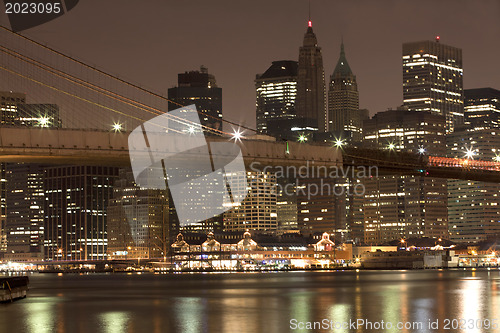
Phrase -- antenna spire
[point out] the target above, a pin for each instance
(309, 23)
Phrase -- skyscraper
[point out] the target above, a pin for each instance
(8, 111)
(405, 206)
(482, 108)
(76, 211)
(433, 80)
(138, 224)
(310, 104)
(473, 205)
(276, 91)
(38, 115)
(318, 205)
(199, 88)
(14, 111)
(8, 106)
(25, 211)
(344, 115)
(22, 206)
(258, 210)
(402, 130)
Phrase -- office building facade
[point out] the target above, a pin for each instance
(199, 88)
(276, 93)
(138, 221)
(75, 208)
(473, 206)
(403, 130)
(258, 212)
(433, 80)
(25, 202)
(397, 207)
(21, 233)
(482, 108)
(8, 111)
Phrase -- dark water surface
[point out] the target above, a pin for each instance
(256, 302)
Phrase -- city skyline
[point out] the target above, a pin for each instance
(264, 166)
(423, 79)
(373, 35)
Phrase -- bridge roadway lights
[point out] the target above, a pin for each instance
(110, 148)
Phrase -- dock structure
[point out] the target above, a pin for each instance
(12, 288)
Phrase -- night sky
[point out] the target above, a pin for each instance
(149, 42)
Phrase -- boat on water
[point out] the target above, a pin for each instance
(12, 288)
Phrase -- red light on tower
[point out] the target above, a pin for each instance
(437, 39)
(310, 24)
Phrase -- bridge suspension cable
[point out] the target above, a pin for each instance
(102, 90)
(95, 88)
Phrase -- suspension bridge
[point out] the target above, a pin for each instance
(98, 110)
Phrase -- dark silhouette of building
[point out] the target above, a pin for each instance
(199, 88)
(311, 98)
(344, 117)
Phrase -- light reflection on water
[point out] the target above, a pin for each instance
(249, 302)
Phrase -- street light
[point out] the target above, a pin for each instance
(339, 143)
(302, 138)
(421, 150)
(237, 135)
(391, 146)
(469, 153)
(44, 121)
(117, 127)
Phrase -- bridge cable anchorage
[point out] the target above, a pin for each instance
(128, 83)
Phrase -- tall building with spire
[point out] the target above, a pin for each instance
(344, 115)
(310, 103)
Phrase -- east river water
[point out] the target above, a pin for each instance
(375, 301)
